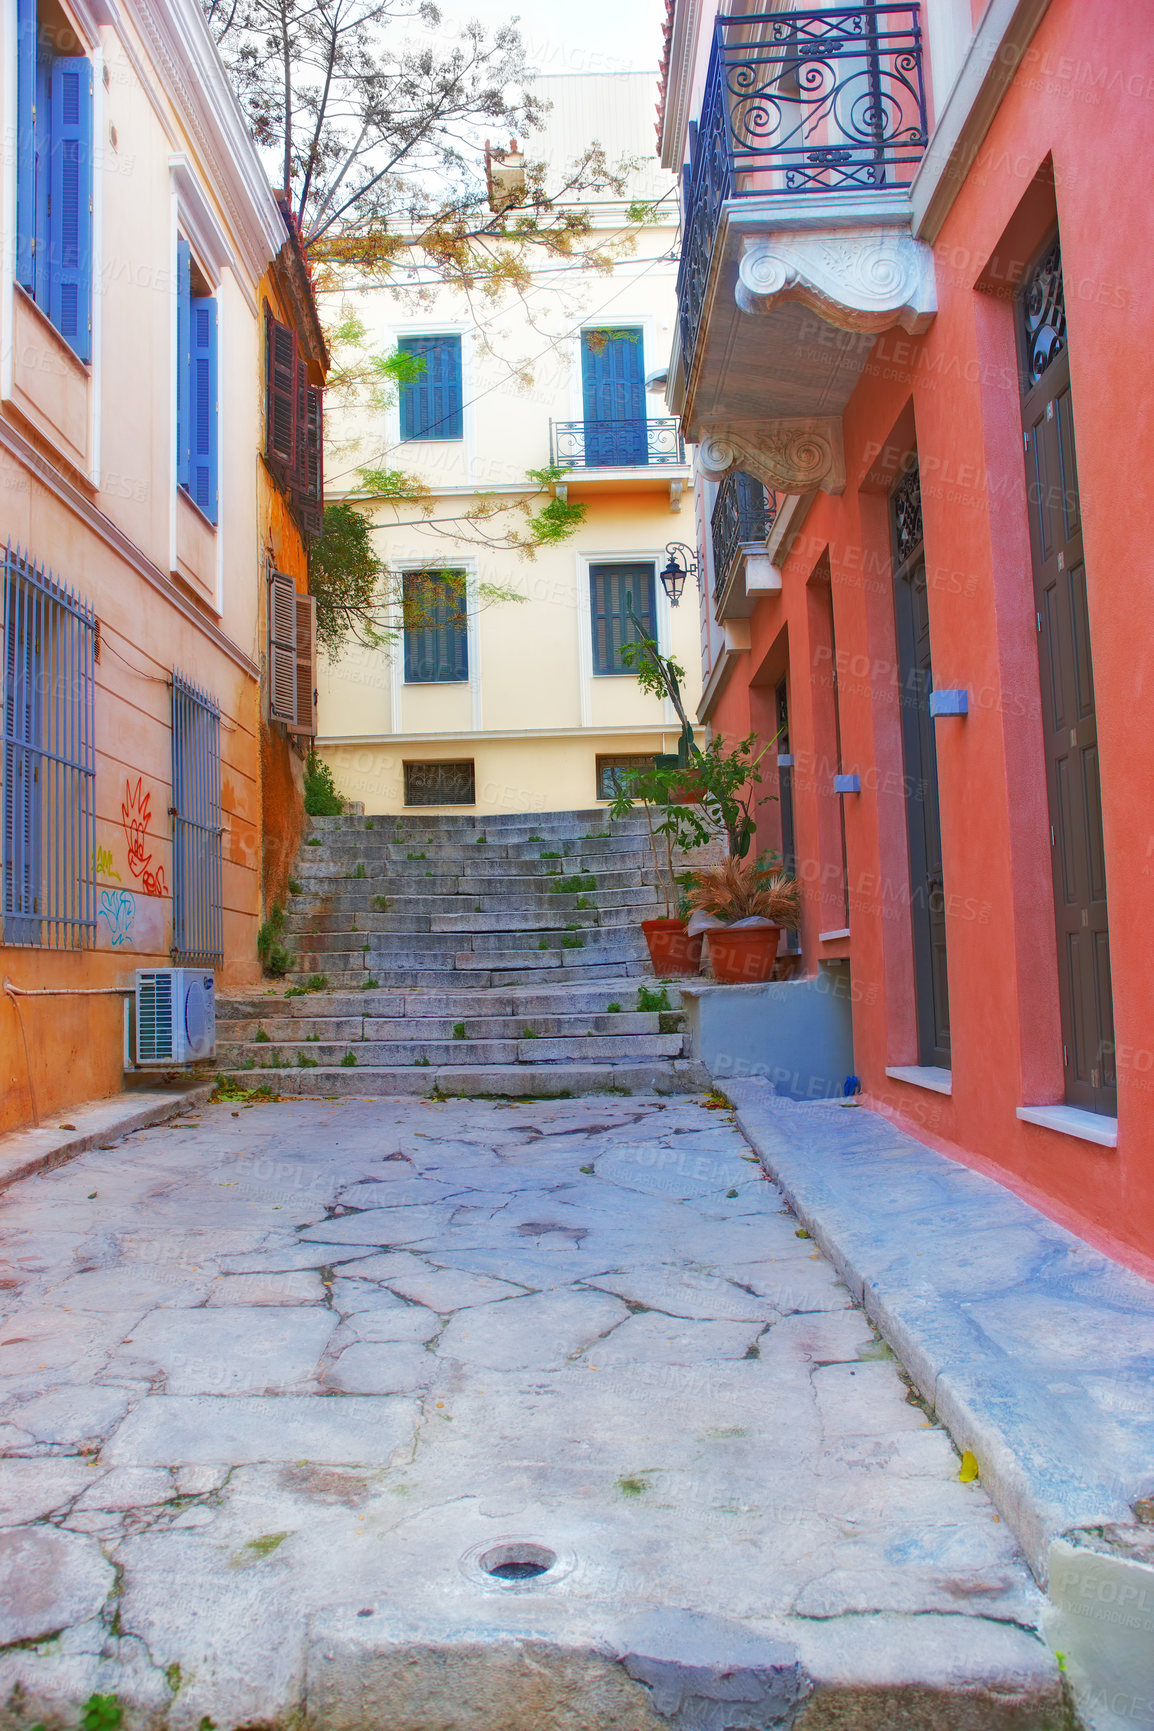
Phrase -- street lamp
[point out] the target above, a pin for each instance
(682, 563)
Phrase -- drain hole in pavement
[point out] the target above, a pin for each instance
(518, 1562)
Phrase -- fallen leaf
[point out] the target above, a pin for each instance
(969, 1470)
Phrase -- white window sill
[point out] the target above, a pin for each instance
(930, 1076)
(831, 937)
(1073, 1121)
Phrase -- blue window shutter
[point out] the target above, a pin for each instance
(612, 588)
(202, 405)
(183, 362)
(437, 642)
(42, 237)
(432, 405)
(26, 144)
(613, 396)
(70, 221)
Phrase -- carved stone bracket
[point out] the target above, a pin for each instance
(856, 279)
(793, 456)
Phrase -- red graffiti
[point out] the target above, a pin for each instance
(134, 815)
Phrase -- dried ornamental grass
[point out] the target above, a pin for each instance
(743, 889)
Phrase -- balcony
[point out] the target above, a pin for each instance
(743, 515)
(616, 455)
(797, 249)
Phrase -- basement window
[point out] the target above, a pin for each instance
(440, 783)
(611, 773)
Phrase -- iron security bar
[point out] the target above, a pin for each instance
(616, 444)
(821, 102)
(49, 761)
(197, 915)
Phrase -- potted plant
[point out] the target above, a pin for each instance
(743, 905)
(671, 949)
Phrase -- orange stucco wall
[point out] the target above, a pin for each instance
(1082, 102)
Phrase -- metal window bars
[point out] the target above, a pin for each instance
(655, 442)
(49, 762)
(197, 914)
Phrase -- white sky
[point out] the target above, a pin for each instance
(590, 36)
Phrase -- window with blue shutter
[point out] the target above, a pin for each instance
(196, 385)
(613, 397)
(54, 180)
(431, 404)
(613, 589)
(436, 629)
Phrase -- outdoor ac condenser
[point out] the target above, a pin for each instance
(175, 1015)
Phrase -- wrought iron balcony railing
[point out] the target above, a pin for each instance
(822, 102)
(616, 444)
(743, 515)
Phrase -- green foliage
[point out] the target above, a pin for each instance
(228, 1091)
(568, 943)
(417, 856)
(275, 958)
(294, 887)
(103, 1713)
(650, 1000)
(573, 885)
(314, 1037)
(613, 1009)
(555, 522)
(382, 904)
(345, 573)
(421, 1063)
(551, 853)
(349, 1061)
(369, 985)
(528, 1034)
(317, 983)
(261, 1037)
(313, 841)
(459, 1031)
(321, 796)
(481, 840)
(304, 1063)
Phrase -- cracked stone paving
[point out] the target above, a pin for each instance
(275, 1381)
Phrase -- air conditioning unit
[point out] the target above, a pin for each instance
(175, 1015)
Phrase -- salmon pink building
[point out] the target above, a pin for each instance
(910, 327)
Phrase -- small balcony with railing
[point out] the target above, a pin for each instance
(742, 517)
(796, 248)
(620, 454)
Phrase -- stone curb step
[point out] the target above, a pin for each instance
(664, 1076)
(385, 1054)
(584, 998)
(301, 1030)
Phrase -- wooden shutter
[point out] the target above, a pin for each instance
(312, 505)
(306, 666)
(282, 648)
(183, 363)
(26, 144)
(432, 405)
(203, 405)
(612, 589)
(281, 399)
(70, 216)
(300, 466)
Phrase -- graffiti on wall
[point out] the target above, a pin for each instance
(135, 812)
(102, 866)
(118, 911)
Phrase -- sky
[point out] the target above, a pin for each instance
(592, 36)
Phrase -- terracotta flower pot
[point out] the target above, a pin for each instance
(743, 955)
(671, 949)
(691, 794)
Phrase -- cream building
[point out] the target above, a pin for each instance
(526, 706)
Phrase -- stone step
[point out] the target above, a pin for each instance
(360, 899)
(386, 1054)
(579, 999)
(547, 1081)
(556, 964)
(444, 823)
(507, 877)
(333, 930)
(338, 1030)
(410, 849)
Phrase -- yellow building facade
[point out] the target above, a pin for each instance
(525, 706)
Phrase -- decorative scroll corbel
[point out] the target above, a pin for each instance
(785, 456)
(854, 279)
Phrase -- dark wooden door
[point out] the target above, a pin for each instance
(1068, 713)
(923, 813)
(785, 795)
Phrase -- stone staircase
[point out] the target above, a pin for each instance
(458, 955)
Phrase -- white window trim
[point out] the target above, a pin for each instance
(467, 443)
(85, 27)
(192, 217)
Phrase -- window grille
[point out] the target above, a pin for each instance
(440, 783)
(613, 773)
(49, 760)
(197, 920)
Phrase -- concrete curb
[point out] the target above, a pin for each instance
(1019, 1335)
(24, 1152)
